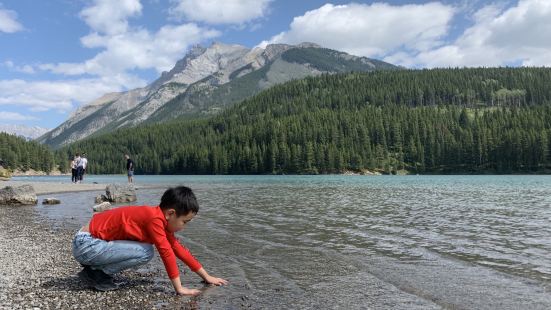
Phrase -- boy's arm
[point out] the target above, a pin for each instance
(180, 290)
(185, 255)
(210, 279)
(156, 231)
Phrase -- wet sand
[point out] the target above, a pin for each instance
(46, 188)
(43, 188)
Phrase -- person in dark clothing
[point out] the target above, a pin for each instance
(129, 168)
(74, 169)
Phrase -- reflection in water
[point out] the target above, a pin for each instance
(350, 242)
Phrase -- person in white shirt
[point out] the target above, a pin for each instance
(81, 167)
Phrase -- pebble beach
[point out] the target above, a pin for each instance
(37, 270)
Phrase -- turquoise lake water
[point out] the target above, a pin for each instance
(474, 242)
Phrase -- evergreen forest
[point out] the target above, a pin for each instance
(18, 153)
(478, 120)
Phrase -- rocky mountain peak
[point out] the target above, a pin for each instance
(204, 81)
(309, 45)
(274, 50)
(195, 51)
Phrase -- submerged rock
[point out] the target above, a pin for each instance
(51, 201)
(18, 195)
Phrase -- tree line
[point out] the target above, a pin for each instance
(18, 153)
(482, 120)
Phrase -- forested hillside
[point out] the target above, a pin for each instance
(18, 153)
(487, 120)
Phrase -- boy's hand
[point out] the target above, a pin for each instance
(215, 281)
(188, 292)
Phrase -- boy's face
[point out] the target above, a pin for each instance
(176, 223)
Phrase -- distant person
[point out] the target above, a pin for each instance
(73, 165)
(77, 163)
(123, 238)
(129, 168)
(81, 167)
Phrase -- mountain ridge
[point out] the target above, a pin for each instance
(203, 82)
(27, 132)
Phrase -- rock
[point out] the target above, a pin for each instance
(18, 195)
(51, 201)
(120, 193)
(101, 198)
(104, 206)
(5, 174)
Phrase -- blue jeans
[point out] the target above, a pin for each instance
(110, 256)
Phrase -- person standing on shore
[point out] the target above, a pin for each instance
(81, 166)
(129, 168)
(74, 169)
(77, 164)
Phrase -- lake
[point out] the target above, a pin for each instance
(355, 242)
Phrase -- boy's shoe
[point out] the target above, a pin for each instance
(97, 279)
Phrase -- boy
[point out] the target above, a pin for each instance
(122, 238)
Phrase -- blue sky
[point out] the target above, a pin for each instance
(56, 55)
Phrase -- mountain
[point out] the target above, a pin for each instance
(204, 82)
(26, 132)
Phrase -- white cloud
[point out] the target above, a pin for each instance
(13, 67)
(128, 48)
(8, 21)
(418, 35)
(109, 16)
(137, 49)
(13, 116)
(372, 30)
(59, 95)
(123, 48)
(220, 11)
(520, 34)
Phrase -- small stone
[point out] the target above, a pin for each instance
(51, 201)
(102, 207)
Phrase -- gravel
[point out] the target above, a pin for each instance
(37, 271)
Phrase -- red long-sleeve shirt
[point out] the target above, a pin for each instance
(144, 224)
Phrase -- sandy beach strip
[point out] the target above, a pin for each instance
(45, 188)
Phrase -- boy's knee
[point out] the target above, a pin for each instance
(148, 253)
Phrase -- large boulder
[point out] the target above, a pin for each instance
(117, 193)
(18, 195)
(5, 174)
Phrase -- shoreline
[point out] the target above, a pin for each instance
(47, 188)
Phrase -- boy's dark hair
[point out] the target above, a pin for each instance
(181, 199)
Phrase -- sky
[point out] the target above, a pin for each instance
(56, 55)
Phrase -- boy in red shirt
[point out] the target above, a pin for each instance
(123, 238)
